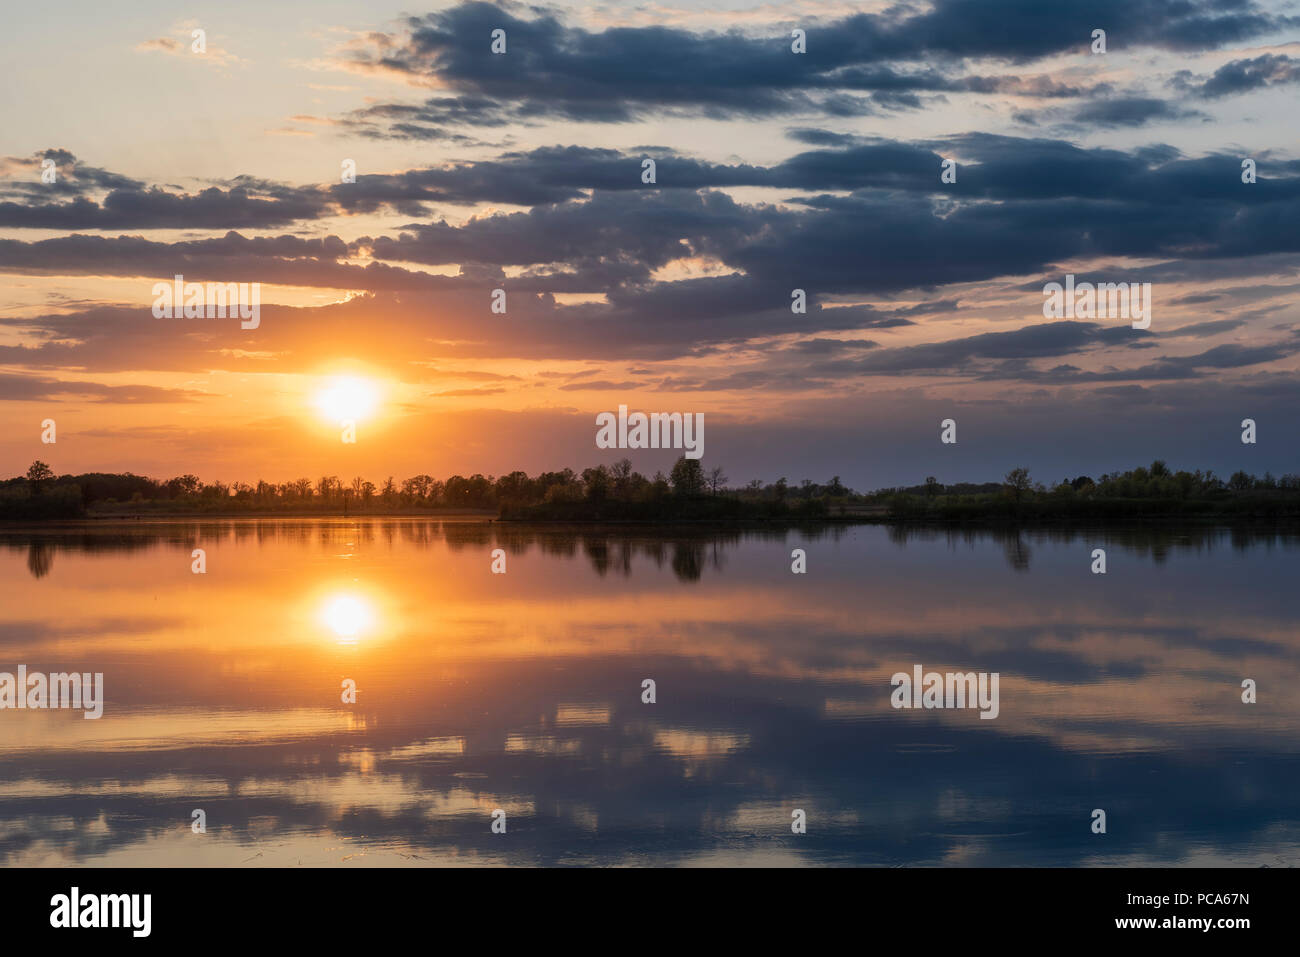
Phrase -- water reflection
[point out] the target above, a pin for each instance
(348, 616)
(688, 551)
(39, 559)
(523, 692)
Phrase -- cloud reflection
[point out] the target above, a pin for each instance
(773, 694)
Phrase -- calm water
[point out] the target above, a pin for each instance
(522, 692)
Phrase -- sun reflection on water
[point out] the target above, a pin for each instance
(349, 616)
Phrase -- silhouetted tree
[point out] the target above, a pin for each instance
(38, 475)
(1017, 483)
(621, 474)
(597, 483)
(688, 477)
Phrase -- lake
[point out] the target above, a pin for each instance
(478, 693)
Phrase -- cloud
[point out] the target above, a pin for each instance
(168, 45)
(137, 207)
(1132, 111)
(600, 385)
(862, 64)
(954, 355)
(21, 177)
(1243, 76)
(991, 167)
(28, 388)
(212, 55)
(1201, 330)
(863, 222)
(450, 393)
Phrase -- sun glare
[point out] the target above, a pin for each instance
(347, 399)
(347, 616)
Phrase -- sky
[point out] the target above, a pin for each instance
(774, 171)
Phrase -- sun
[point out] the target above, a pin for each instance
(347, 399)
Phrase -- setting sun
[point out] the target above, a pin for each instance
(347, 399)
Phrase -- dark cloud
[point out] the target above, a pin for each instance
(866, 221)
(991, 167)
(27, 388)
(897, 230)
(1242, 76)
(816, 137)
(858, 65)
(157, 208)
(1202, 330)
(962, 355)
(1199, 366)
(1011, 355)
(1132, 111)
(72, 178)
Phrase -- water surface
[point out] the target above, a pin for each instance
(523, 692)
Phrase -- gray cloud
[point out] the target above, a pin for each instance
(1242, 76)
(858, 65)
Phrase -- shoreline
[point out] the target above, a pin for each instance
(491, 517)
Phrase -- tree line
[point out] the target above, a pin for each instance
(40, 492)
(1146, 491)
(689, 490)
